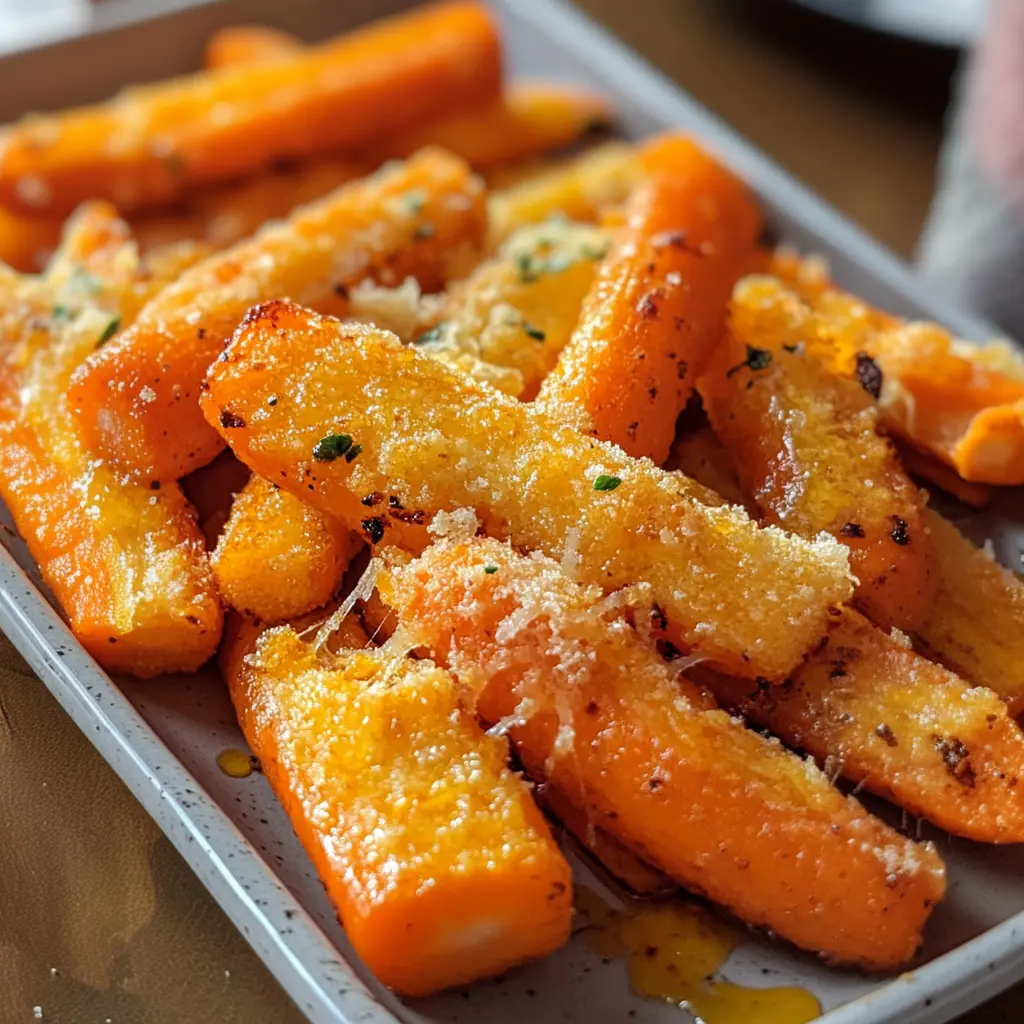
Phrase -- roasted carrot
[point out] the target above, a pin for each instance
(579, 188)
(699, 455)
(881, 715)
(277, 557)
(529, 118)
(126, 562)
(976, 623)
(806, 447)
(507, 322)
(26, 243)
(438, 862)
(380, 434)
(598, 715)
(135, 399)
(239, 45)
(657, 304)
(151, 143)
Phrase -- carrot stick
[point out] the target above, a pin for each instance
(26, 243)
(238, 45)
(927, 469)
(976, 623)
(126, 562)
(806, 448)
(135, 399)
(906, 728)
(579, 188)
(342, 95)
(529, 118)
(657, 305)
(378, 433)
(507, 322)
(598, 715)
(433, 853)
(277, 557)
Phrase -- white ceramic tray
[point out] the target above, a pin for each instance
(162, 737)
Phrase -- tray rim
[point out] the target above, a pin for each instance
(207, 838)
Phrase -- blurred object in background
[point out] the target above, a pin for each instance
(26, 23)
(953, 23)
(973, 245)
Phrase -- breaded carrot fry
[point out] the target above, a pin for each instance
(26, 243)
(927, 469)
(378, 433)
(657, 304)
(529, 118)
(805, 446)
(277, 557)
(507, 322)
(906, 728)
(135, 399)
(579, 188)
(151, 143)
(238, 45)
(225, 214)
(598, 715)
(126, 562)
(976, 623)
(438, 862)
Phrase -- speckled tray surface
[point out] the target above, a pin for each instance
(162, 737)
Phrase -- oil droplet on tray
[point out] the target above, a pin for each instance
(674, 951)
(237, 763)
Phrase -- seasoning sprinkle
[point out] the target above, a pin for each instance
(331, 447)
(109, 331)
(606, 483)
(490, 569)
(533, 332)
(757, 359)
(424, 231)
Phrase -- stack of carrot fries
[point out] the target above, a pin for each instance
(621, 482)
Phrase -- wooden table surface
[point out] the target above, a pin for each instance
(100, 919)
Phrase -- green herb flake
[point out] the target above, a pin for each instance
(490, 569)
(594, 252)
(109, 331)
(332, 447)
(424, 231)
(174, 164)
(606, 483)
(525, 268)
(757, 359)
(414, 200)
(61, 312)
(533, 332)
(353, 453)
(85, 280)
(430, 336)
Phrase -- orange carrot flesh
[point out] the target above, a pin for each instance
(906, 728)
(529, 118)
(976, 624)
(440, 865)
(752, 599)
(927, 469)
(278, 557)
(657, 305)
(26, 243)
(339, 96)
(126, 562)
(805, 445)
(135, 399)
(238, 45)
(600, 716)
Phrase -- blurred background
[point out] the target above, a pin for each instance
(853, 97)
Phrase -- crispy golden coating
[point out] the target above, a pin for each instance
(278, 558)
(805, 445)
(135, 400)
(385, 436)
(440, 865)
